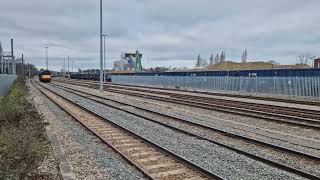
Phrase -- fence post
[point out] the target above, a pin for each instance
(256, 84)
(318, 87)
(311, 87)
(274, 84)
(227, 88)
(296, 88)
(317, 82)
(239, 84)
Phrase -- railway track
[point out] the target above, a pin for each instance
(295, 116)
(276, 99)
(153, 161)
(278, 164)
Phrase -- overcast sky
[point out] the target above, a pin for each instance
(167, 32)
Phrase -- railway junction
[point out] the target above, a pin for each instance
(148, 132)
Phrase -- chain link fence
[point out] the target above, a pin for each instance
(6, 81)
(308, 87)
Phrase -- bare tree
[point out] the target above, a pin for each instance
(198, 61)
(301, 59)
(304, 58)
(244, 56)
(204, 62)
(201, 62)
(216, 59)
(211, 59)
(222, 57)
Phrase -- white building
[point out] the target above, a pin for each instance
(127, 61)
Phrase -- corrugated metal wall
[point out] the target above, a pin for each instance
(6, 81)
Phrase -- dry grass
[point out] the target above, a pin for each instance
(23, 143)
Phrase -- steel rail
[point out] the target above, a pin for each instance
(250, 105)
(190, 164)
(126, 104)
(253, 156)
(249, 111)
(239, 111)
(96, 134)
(276, 99)
(207, 99)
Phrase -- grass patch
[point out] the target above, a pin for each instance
(12, 105)
(23, 143)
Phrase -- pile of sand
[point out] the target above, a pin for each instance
(229, 65)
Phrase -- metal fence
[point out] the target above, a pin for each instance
(6, 81)
(285, 86)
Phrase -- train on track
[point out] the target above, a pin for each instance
(244, 73)
(45, 76)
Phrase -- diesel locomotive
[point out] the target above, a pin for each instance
(45, 76)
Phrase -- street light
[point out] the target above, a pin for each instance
(101, 60)
(12, 59)
(72, 65)
(104, 56)
(47, 56)
(68, 68)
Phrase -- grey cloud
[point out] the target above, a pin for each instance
(168, 32)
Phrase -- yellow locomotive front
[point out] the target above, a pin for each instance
(45, 76)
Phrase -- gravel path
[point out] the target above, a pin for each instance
(90, 158)
(48, 168)
(208, 155)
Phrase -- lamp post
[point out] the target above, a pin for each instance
(101, 59)
(1, 58)
(47, 65)
(104, 56)
(68, 68)
(22, 66)
(12, 59)
(72, 65)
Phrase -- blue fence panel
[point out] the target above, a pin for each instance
(308, 87)
(6, 81)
